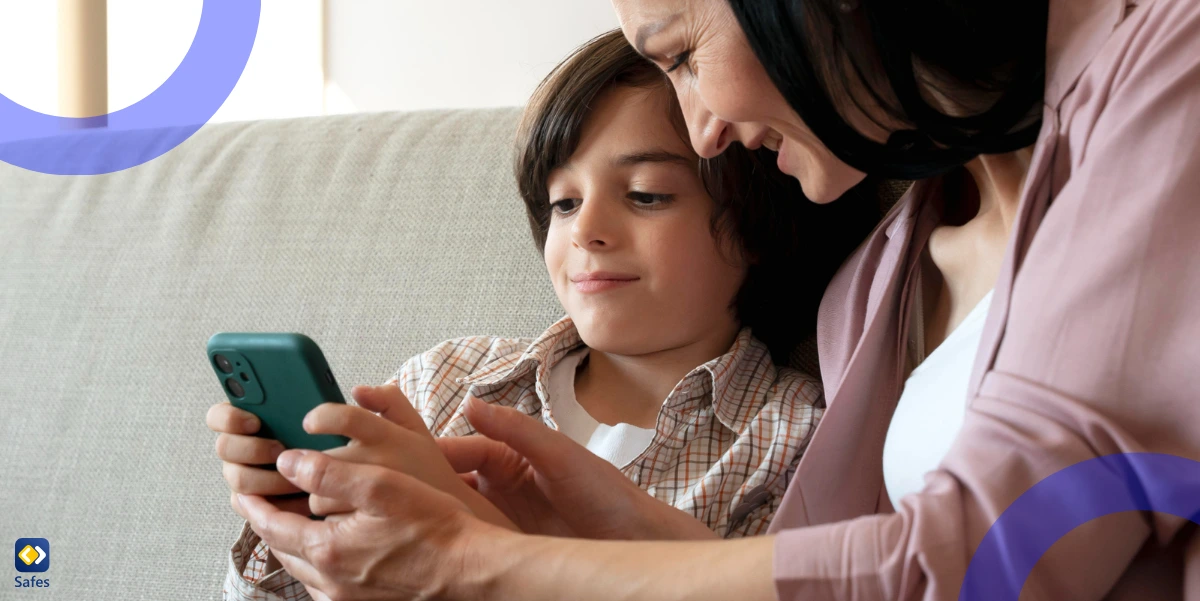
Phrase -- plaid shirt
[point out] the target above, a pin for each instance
(727, 438)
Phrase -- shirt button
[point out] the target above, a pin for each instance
(651, 490)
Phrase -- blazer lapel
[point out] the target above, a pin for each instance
(861, 347)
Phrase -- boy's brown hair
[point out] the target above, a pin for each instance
(793, 246)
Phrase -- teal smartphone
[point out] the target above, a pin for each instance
(278, 377)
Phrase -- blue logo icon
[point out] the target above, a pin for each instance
(176, 110)
(32, 555)
(1068, 499)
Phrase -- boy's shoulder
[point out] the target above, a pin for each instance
(489, 346)
(761, 400)
(781, 385)
(791, 385)
(465, 355)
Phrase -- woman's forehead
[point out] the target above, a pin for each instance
(642, 19)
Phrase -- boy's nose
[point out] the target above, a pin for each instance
(592, 228)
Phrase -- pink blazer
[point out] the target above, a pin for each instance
(1092, 345)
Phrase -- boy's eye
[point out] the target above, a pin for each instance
(564, 206)
(649, 199)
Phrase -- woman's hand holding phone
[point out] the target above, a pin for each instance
(244, 455)
(386, 430)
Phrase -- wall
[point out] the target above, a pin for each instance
(29, 53)
(378, 54)
(147, 39)
(419, 54)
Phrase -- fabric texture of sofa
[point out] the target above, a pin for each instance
(378, 235)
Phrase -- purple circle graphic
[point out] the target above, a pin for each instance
(1068, 499)
(154, 125)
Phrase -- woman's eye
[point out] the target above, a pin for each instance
(649, 199)
(680, 60)
(564, 206)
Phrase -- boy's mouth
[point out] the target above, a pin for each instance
(600, 281)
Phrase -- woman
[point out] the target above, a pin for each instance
(1080, 158)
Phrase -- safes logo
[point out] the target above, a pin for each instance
(31, 555)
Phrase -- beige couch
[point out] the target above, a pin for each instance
(378, 235)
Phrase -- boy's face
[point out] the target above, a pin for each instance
(630, 248)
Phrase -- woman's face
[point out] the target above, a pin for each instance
(630, 249)
(726, 94)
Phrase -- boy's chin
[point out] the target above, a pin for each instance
(617, 339)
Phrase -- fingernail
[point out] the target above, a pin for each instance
(277, 449)
(480, 405)
(286, 464)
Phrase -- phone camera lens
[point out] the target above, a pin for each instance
(235, 388)
(223, 364)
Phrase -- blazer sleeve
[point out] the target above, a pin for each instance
(1100, 354)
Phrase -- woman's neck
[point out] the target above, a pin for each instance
(999, 179)
(966, 258)
(630, 389)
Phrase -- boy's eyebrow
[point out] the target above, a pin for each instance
(652, 156)
(648, 30)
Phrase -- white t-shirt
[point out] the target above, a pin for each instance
(931, 408)
(619, 444)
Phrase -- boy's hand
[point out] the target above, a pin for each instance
(548, 484)
(242, 454)
(394, 437)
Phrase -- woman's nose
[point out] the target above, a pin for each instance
(710, 135)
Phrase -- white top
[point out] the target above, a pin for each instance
(619, 444)
(930, 411)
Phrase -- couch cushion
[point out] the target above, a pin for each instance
(378, 235)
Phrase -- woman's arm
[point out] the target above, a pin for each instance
(405, 540)
(551, 569)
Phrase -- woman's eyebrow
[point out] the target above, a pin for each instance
(650, 29)
(652, 156)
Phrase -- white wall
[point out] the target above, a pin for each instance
(419, 54)
(379, 54)
(29, 53)
(147, 39)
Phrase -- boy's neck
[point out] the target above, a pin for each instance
(631, 389)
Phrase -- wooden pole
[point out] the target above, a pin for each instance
(83, 60)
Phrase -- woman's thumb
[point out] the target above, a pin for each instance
(547, 450)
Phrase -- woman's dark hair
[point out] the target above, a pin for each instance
(987, 57)
(793, 246)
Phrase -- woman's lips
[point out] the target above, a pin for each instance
(601, 281)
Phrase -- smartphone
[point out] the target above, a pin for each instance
(278, 377)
